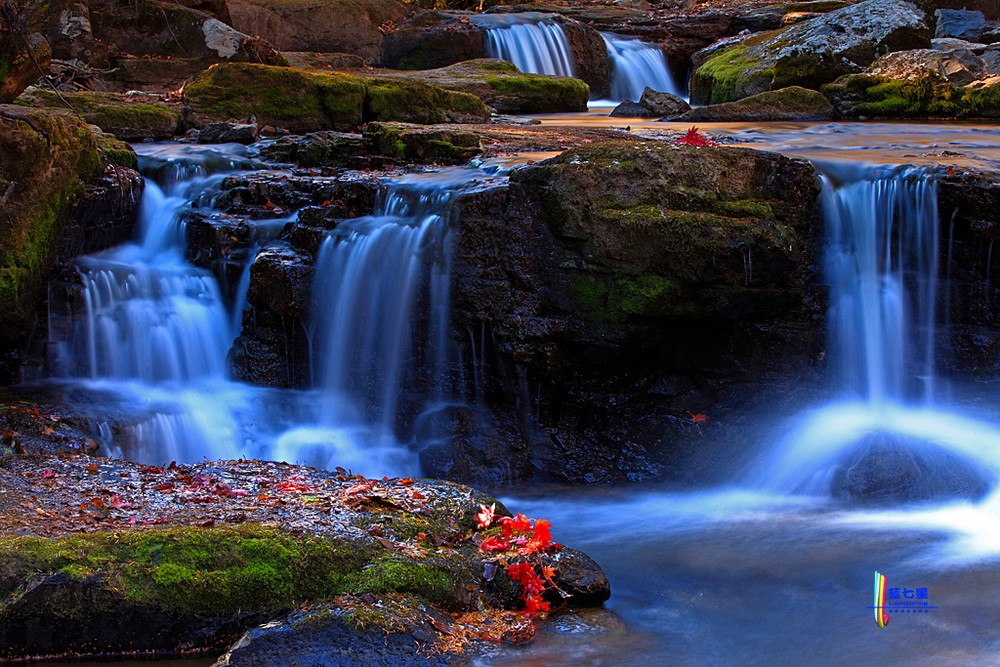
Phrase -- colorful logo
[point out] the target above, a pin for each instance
(880, 616)
(899, 600)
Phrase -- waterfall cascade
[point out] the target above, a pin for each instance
(882, 270)
(636, 65)
(537, 44)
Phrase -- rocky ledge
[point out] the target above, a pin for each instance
(102, 556)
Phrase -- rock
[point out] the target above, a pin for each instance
(332, 636)
(951, 44)
(590, 56)
(580, 576)
(134, 118)
(345, 26)
(303, 101)
(22, 61)
(180, 41)
(318, 149)
(505, 88)
(862, 95)
(960, 24)
(615, 265)
(433, 39)
(413, 143)
(222, 133)
(663, 104)
(630, 109)
(958, 67)
(808, 54)
(320, 61)
(792, 103)
(56, 204)
(887, 467)
(67, 28)
(273, 350)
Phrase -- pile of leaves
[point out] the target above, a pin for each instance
(525, 539)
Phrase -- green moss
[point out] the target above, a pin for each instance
(504, 66)
(117, 152)
(645, 295)
(416, 102)
(430, 144)
(295, 99)
(724, 70)
(52, 161)
(397, 574)
(129, 120)
(874, 96)
(544, 91)
(203, 570)
(808, 70)
(983, 101)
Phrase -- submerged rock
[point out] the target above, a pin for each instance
(890, 468)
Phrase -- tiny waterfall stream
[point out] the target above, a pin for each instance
(766, 569)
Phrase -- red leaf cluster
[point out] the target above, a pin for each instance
(530, 538)
(695, 138)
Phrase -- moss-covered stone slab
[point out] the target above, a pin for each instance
(422, 144)
(309, 101)
(810, 53)
(863, 95)
(128, 118)
(505, 88)
(792, 103)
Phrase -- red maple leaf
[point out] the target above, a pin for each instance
(695, 138)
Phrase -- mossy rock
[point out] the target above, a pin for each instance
(307, 101)
(792, 103)
(417, 102)
(126, 119)
(656, 225)
(49, 158)
(297, 100)
(116, 151)
(869, 96)
(505, 89)
(808, 54)
(982, 100)
(415, 143)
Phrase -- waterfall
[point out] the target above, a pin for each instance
(636, 65)
(533, 42)
(150, 314)
(371, 274)
(882, 268)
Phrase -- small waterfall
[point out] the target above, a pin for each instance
(150, 314)
(371, 273)
(533, 42)
(882, 267)
(634, 66)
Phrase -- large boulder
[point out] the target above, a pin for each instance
(959, 23)
(925, 93)
(615, 285)
(55, 203)
(347, 26)
(810, 53)
(792, 103)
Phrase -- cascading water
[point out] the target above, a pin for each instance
(882, 269)
(636, 65)
(533, 42)
(537, 44)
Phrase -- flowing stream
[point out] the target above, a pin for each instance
(773, 566)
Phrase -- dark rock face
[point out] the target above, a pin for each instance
(663, 104)
(616, 287)
(433, 39)
(273, 349)
(222, 133)
(590, 56)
